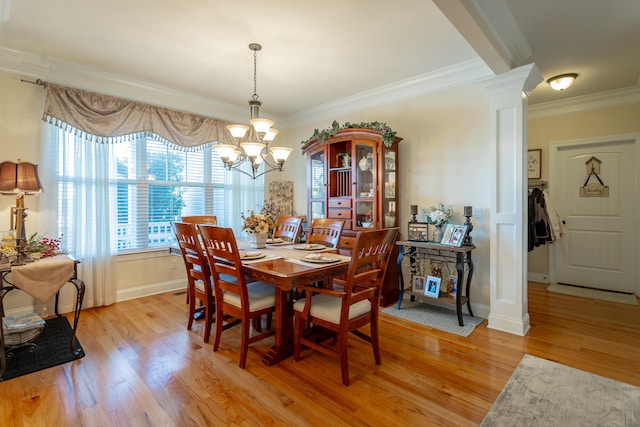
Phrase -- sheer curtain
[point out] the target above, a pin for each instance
(79, 202)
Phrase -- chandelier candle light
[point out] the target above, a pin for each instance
(256, 148)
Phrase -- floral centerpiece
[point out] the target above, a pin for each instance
(438, 216)
(258, 225)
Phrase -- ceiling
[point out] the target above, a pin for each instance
(331, 53)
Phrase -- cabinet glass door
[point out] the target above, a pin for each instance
(317, 184)
(390, 198)
(365, 172)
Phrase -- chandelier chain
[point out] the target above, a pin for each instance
(255, 75)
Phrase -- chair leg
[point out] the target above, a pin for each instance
(219, 323)
(207, 320)
(244, 345)
(192, 311)
(269, 321)
(344, 364)
(375, 345)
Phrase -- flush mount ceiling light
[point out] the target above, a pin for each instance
(562, 81)
(256, 148)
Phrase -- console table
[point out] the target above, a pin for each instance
(436, 252)
(36, 290)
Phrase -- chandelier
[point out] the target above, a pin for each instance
(256, 148)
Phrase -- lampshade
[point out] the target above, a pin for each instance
(563, 81)
(270, 135)
(252, 149)
(261, 125)
(21, 177)
(281, 153)
(238, 131)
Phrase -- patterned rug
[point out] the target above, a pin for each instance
(53, 347)
(544, 393)
(435, 317)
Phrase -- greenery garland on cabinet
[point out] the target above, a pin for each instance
(388, 134)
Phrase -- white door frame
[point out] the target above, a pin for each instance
(554, 148)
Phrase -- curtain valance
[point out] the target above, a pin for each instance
(111, 119)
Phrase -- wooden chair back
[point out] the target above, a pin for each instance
(199, 285)
(237, 301)
(325, 231)
(288, 227)
(201, 219)
(348, 309)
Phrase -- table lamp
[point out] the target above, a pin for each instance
(19, 179)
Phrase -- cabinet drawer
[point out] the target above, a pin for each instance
(340, 203)
(340, 213)
(346, 244)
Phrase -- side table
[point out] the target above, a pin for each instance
(6, 286)
(441, 253)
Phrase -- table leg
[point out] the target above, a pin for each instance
(400, 257)
(283, 347)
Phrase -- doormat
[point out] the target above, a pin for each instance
(434, 317)
(53, 348)
(544, 393)
(579, 291)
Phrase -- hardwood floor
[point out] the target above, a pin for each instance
(144, 368)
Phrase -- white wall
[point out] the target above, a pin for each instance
(443, 157)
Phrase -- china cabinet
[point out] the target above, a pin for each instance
(353, 176)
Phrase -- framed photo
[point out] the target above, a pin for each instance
(534, 168)
(432, 286)
(454, 235)
(418, 284)
(418, 231)
(452, 286)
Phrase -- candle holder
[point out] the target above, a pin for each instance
(468, 213)
(414, 213)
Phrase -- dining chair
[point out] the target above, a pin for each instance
(288, 227)
(237, 301)
(201, 219)
(199, 285)
(350, 308)
(325, 231)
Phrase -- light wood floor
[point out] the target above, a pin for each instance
(144, 368)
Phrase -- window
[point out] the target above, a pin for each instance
(154, 185)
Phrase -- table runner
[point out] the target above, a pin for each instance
(43, 278)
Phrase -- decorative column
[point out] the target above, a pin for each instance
(508, 226)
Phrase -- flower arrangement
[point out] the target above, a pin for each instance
(257, 223)
(37, 247)
(438, 216)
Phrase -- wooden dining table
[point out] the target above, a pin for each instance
(284, 268)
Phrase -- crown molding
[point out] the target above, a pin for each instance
(596, 101)
(444, 78)
(82, 77)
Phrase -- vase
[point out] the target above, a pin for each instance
(437, 233)
(258, 240)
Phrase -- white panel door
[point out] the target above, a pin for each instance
(599, 248)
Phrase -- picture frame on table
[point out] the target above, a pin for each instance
(418, 284)
(417, 231)
(454, 235)
(534, 167)
(432, 287)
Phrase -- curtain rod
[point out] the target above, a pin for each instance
(37, 82)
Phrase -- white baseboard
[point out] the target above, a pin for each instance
(153, 289)
(123, 295)
(538, 277)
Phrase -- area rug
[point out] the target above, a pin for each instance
(53, 348)
(435, 317)
(544, 393)
(579, 291)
